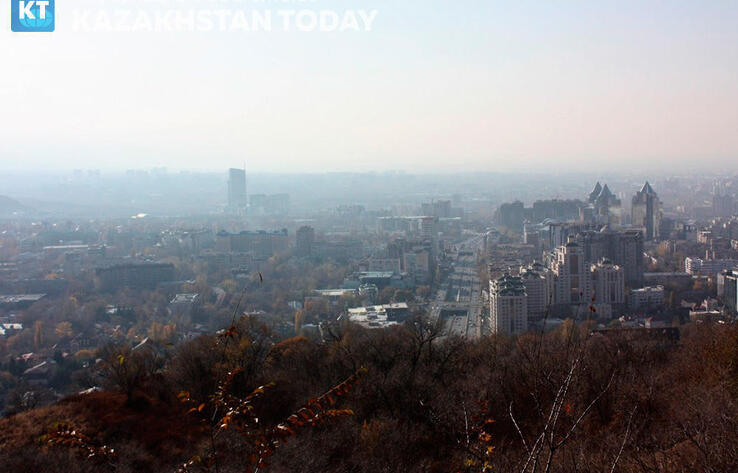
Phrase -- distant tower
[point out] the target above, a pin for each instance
(237, 201)
(646, 212)
(305, 240)
(595, 193)
(607, 207)
(723, 204)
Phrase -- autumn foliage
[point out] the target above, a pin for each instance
(405, 400)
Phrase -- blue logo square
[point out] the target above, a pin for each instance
(32, 15)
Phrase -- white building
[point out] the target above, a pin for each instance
(707, 267)
(379, 316)
(508, 305)
(647, 297)
(539, 286)
(608, 283)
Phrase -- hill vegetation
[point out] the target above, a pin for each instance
(571, 400)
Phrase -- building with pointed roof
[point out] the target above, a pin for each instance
(595, 193)
(646, 212)
(604, 207)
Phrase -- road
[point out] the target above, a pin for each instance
(458, 303)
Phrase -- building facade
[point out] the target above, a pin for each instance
(646, 212)
(508, 305)
(237, 201)
(608, 283)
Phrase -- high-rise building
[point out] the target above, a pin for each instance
(607, 207)
(723, 204)
(608, 283)
(572, 275)
(305, 238)
(595, 193)
(624, 248)
(237, 201)
(646, 212)
(538, 282)
(508, 305)
(728, 290)
(439, 208)
(429, 233)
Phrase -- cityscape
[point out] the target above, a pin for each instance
(620, 259)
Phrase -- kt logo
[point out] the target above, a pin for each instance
(32, 15)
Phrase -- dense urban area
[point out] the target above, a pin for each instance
(577, 322)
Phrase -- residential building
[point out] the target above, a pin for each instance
(705, 267)
(538, 282)
(134, 275)
(572, 285)
(508, 305)
(646, 297)
(608, 283)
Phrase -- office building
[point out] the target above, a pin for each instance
(237, 201)
(605, 206)
(646, 212)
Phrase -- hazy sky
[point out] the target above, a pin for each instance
(435, 85)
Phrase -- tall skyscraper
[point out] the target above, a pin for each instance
(603, 207)
(608, 207)
(572, 275)
(508, 305)
(237, 201)
(595, 193)
(646, 212)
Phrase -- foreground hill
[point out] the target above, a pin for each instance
(141, 433)
(572, 400)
